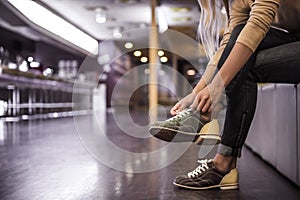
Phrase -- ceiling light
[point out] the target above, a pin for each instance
(23, 67)
(191, 72)
(101, 18)
(117, 33)
(12, 65)
(144, 59)
(34, 64)
(164, 59)
(162, 22)
(30, 59)
(48, 72)
(46, 19)
(160, 53)
(137, 53)
(128, 45)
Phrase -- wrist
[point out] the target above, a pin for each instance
(199, 87)
(218, 82)
(195, 92)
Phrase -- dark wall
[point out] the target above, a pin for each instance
(49, 55)
(16, 44)
(44, 53)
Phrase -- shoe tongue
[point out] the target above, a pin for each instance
(197, 115)
(210, 163)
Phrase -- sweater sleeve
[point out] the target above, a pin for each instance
(239, 14)
(261, 16)
(257, 16)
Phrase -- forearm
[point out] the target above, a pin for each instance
(205, 79)
(233, 64)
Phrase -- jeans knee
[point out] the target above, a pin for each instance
(253, 77)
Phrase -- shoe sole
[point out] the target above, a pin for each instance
(171, 135)
(208, 139)
(232, 186)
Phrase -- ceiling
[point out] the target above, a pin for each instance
(131, 15)
(125, 14)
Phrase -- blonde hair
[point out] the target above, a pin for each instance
(211, 23)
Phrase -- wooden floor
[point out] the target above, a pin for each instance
(45, 159)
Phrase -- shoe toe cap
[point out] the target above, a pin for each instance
(181, 179)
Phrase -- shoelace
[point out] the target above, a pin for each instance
(200, 169)
(180, 115)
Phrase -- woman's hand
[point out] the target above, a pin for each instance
(206, 100)
(183, 103)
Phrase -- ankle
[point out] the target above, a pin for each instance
(224, 163)
(205, 117)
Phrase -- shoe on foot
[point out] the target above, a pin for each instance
(207, 176)
(187, 126)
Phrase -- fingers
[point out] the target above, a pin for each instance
(201, 103)
(175, 108)
(206, 107)
(195, 103)
(182, 104)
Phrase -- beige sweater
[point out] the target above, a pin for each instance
(259, 15)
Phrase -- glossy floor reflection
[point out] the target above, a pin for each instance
(45, 159)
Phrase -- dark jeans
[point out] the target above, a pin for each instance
(242, 90)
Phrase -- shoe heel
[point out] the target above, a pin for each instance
(230, 181)
(211, 127)
(230, 187)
